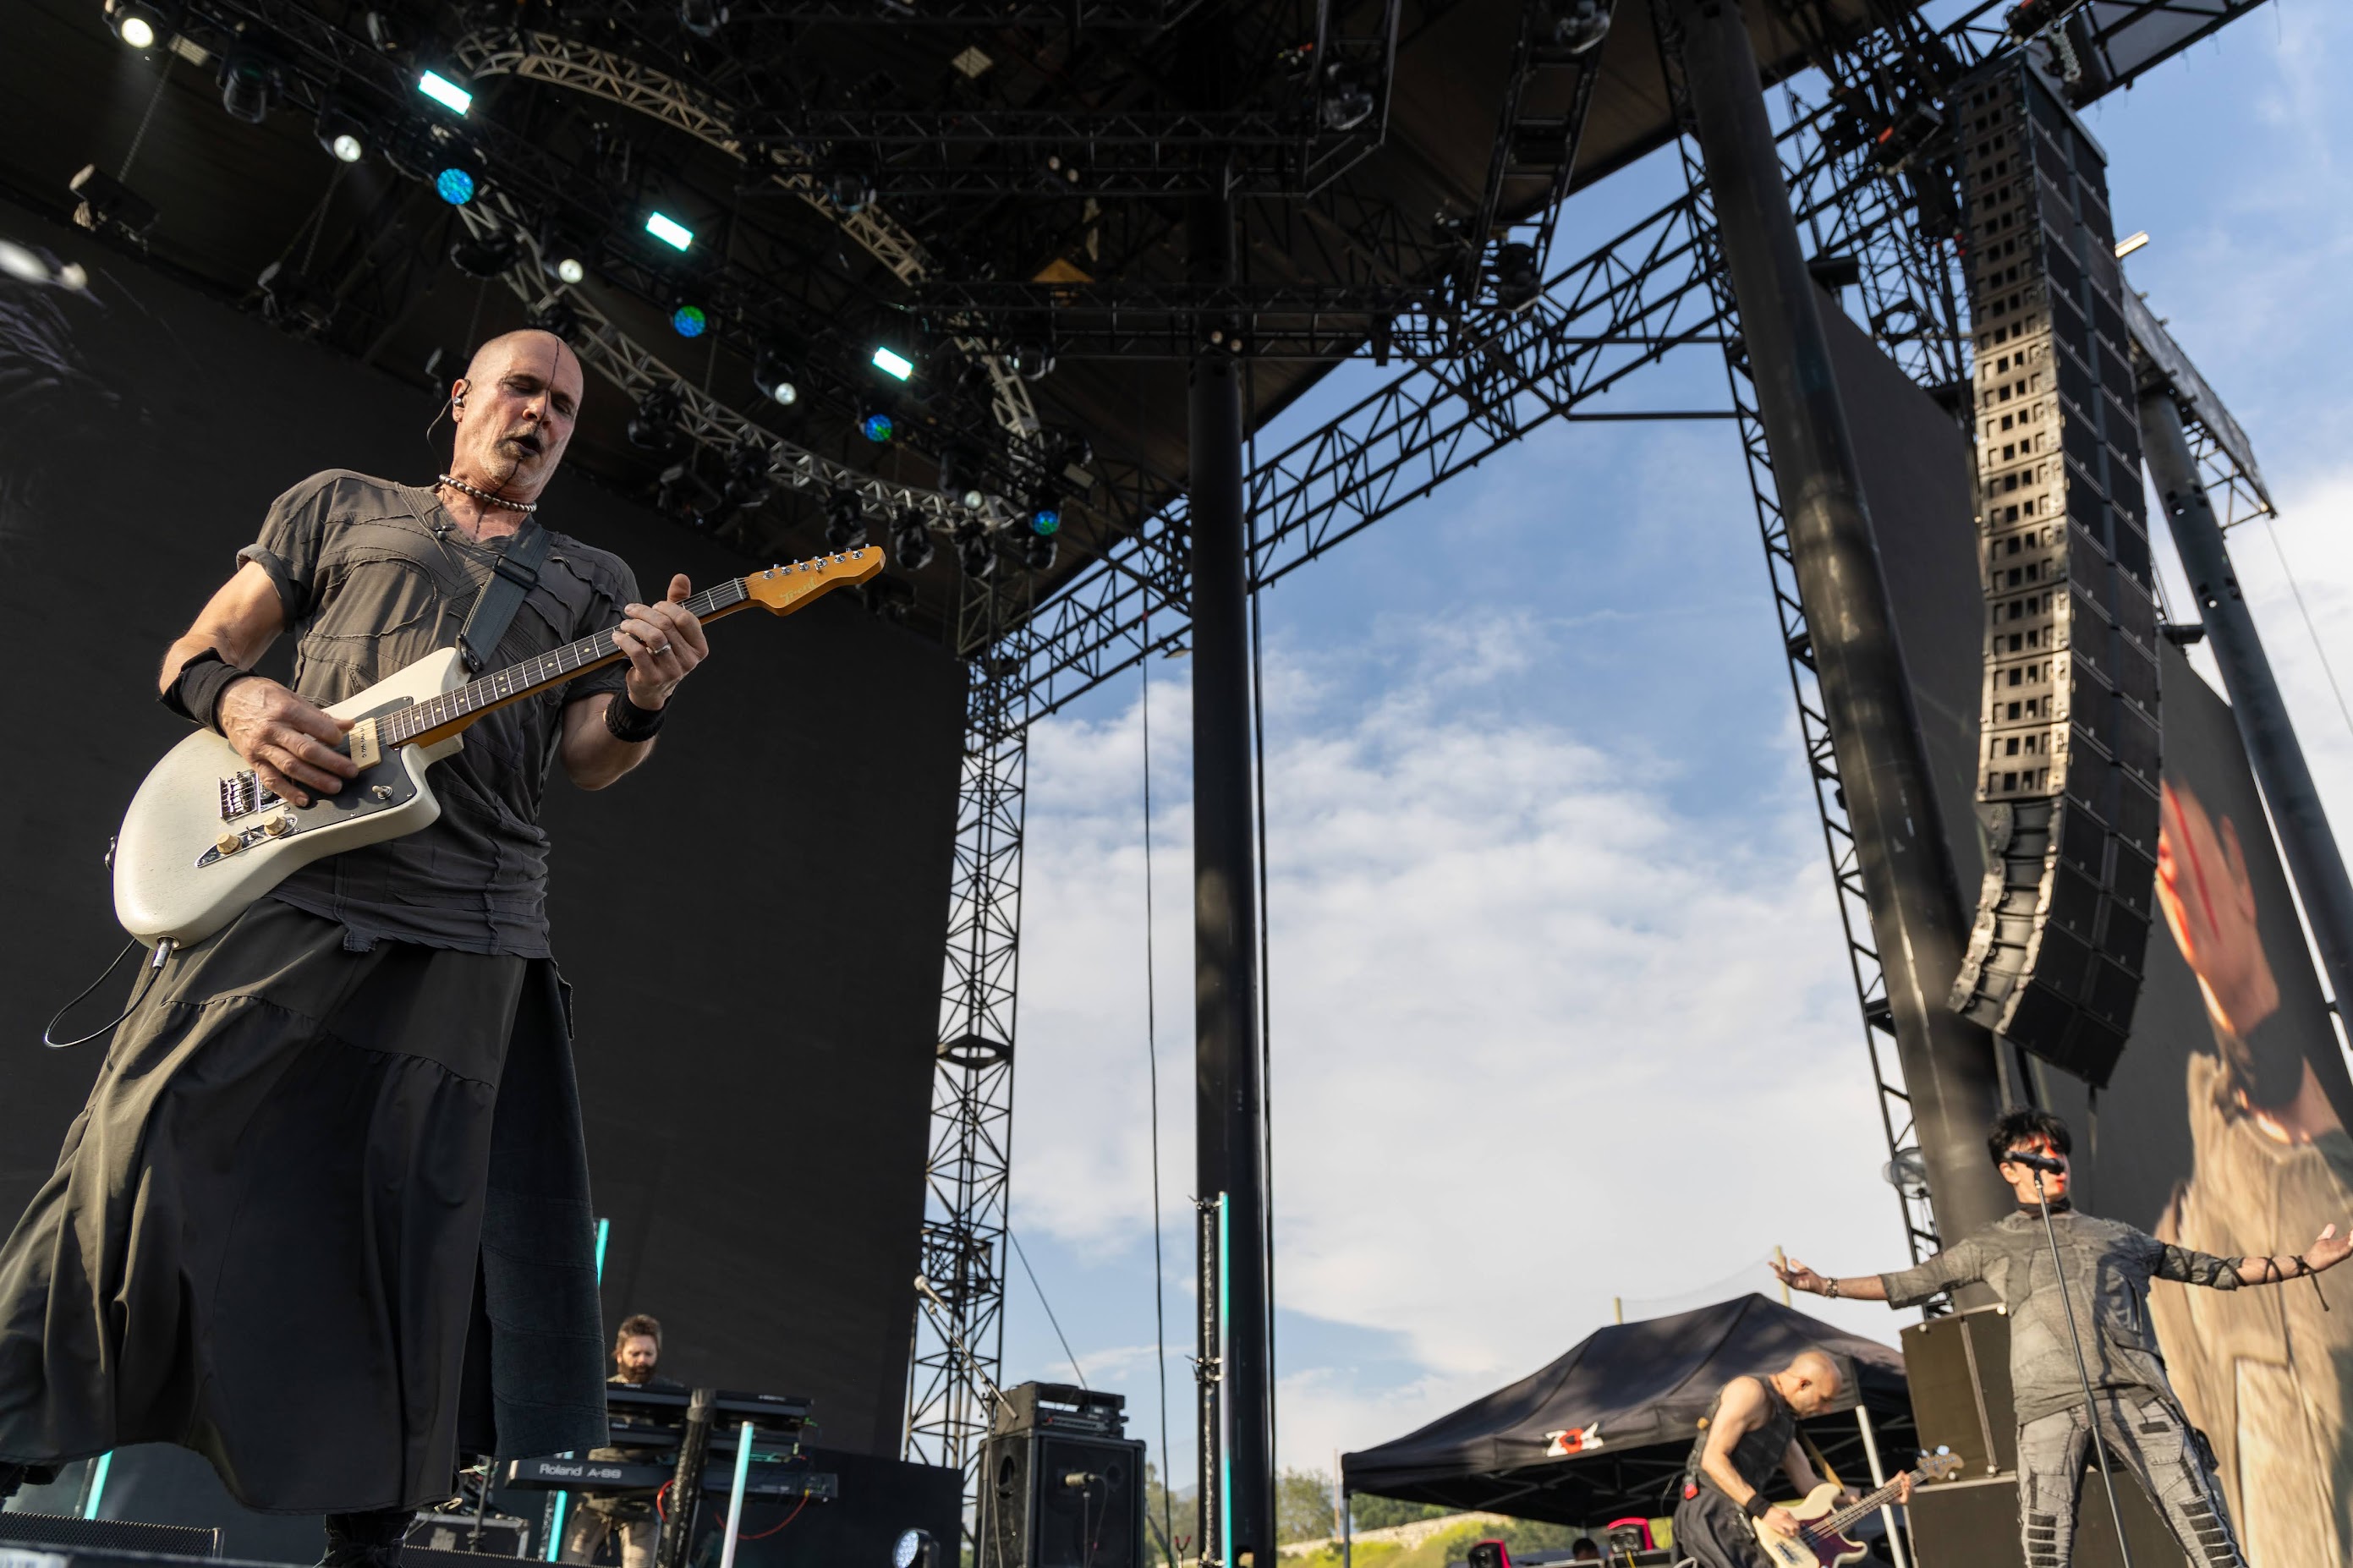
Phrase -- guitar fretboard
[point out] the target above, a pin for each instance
(1836, 1523)
(534, 674)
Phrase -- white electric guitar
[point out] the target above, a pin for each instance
(204, 838)
(1821, 1540)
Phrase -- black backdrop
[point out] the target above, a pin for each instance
(752, 925)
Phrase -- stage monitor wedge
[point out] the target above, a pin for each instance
(2069, 740)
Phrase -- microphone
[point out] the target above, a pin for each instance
(2034, 1161)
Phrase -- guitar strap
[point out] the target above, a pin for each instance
(514, 572)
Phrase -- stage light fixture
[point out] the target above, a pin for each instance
(976, 553)
(653, 424)
(668, 230)
(559, 316)
(689, 321)
(959, 477)
(1031, 361)
(292, 302)
(455, 184)
(911, 542)
(570, 269)
(912, 1550)
(845, 521)
(138, 25)
(250, 82)
(704, 18)
(1578, 24)
(851, 190)
(771, 374)
(105, 201)
(877, 426)
(347, 146)
(1038, 551)
(751, 475)
(1046, 515)
(1348, 98)
(892, 363)
(2131, 243)
(1518, 275)
(490, 254)
(444, 92)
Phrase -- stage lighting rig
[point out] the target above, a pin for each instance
(976, 552)
(343, 133)
(251, 80)
(845, 521)
(751, 476)
(960, 477)
(912, 1550)
(689, 321)
(1348, 98)
(106, 202)
(1045, 514)
(669, 231)
(1518, 276)
(891, 363)
(771, 374)
(140, 26)
(851, 190)
(456, 180)
(444, 92)
(292, 302)
(568, 269)
(559, 316)
(704, 18)
(876, 424)
(1031, 361)
(911, 542)
(1576, 26)
(492, 255)
(653, 426)
(1038, 551)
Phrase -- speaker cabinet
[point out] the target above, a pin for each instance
(1049, 1500)
(106, 1535)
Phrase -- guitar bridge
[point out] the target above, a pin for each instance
(242, 794)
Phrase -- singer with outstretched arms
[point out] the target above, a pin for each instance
(2076, 1285)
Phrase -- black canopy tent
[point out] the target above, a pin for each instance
(1602, 1432)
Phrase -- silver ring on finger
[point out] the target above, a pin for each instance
(657, 652)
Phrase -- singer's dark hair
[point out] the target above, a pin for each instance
(2020, 1126)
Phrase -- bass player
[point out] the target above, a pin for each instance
(1750, 1431)
(325, 1217)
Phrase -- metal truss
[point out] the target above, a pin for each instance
(969, 1168)
(1048, 15)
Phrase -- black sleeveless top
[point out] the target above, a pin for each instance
(1759, 1451)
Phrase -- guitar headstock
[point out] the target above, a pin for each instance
(782, 589)
(1938, 1467)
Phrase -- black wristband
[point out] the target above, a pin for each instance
(1758, 1506)
(630, 723)
(194, 694)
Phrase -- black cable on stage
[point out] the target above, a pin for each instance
(1152, 1059)
(154, 967)
(1045, 1303)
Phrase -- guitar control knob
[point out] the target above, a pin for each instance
(279, 825)
(229, 843)
(380, 792)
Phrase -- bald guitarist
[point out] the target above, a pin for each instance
(330, 1177)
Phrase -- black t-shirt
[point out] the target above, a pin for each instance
(374, 577)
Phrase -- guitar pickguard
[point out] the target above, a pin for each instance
(256, 815)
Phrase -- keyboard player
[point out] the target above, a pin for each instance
(637, 1351)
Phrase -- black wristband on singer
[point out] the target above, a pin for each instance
(630, 723)
(194, 694)
(1758, 1506)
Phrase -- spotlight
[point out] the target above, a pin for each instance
(2131, 243)
(1348, 100)
(669, 231)
(771, 374)
(654, 425)
(456, 185)
(107, 202)
(912, 1550)
(1038, 553)
(851, 190)
(892, 363)
(911, 542)
(444, 92)
(250, 82)
(490, 255)
(340, 134)
(959, 475)
(559, 316)
(876, 427)
(1031, 361)
(704, 18)
(1046, 515)
(975, 553)
(138, 25)
(570, 269)
(845, 526)
(1518, 277)
(751, 476)
(689, 321)
(1576, 25)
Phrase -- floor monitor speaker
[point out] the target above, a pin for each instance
(50, 1529)
(1049, 1500)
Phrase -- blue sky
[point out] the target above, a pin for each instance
(1560, 1012)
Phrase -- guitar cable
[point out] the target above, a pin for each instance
(146, 981)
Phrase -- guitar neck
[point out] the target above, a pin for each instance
(438, 718)
(1863, 1507)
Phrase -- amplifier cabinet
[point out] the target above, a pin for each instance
(1973, 1523)
(1052, 1499)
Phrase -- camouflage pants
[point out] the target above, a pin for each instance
(2147, 1441)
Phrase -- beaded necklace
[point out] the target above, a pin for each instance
(486, 498)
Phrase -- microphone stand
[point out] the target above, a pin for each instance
(2083, 1371)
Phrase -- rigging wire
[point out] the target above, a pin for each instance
(1152, 1056)
(2271, 534)
(1045, 1303)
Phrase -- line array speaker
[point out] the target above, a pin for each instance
(2067, 777)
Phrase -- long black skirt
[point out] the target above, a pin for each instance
(324, 1220)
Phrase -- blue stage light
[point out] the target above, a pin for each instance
(455, 186)
(689, 321)
(1045, 520)
(876, 427)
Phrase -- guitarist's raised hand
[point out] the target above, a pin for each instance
(289, 742)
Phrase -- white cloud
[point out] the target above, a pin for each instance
(1538, 1041)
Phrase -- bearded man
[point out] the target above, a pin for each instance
(325, 1217)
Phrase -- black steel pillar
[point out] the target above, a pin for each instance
(1238, 1461)
(2306, 842)
(1907, 874)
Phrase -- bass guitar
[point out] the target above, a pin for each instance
(1821, 1540)
(204, 837)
